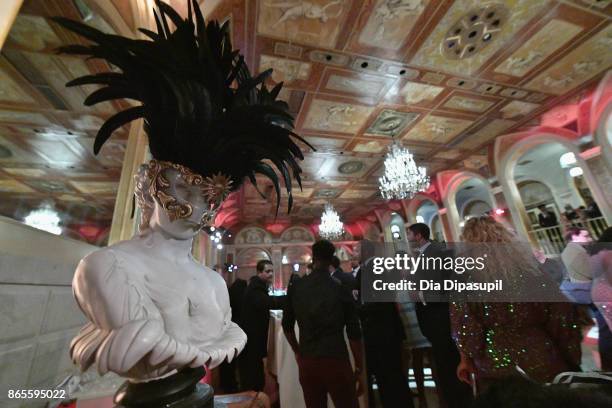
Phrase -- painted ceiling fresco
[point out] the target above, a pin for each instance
(444, 78)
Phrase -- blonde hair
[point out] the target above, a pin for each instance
(486, 229)
(507, 257)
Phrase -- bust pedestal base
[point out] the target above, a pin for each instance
(180, 390)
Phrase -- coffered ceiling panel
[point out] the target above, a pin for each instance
(21, 117)
(316, 22)
(390, 23)
(11, 153)
(326, 144)
(349, 83)
(448, 154)
(370, 146)
(437, 129)
(33, 33)
(31, 173)
(462, 102)
(285, 70)
(13, 186)
(96, 187)
(580, 65)
(517, 109)
(10, 91)
(357, 194)
(484, 134)
(336, 117)
(414, 93)
(554, 35)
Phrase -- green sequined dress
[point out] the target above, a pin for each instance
(542, 339)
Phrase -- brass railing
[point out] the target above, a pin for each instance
(551, 239)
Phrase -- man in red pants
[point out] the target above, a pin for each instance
(323, 308)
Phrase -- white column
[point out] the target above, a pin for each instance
(8, 13)
(123, 225)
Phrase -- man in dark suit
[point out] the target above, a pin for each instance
(254, 320)
(434, 321)
(236, 296)
(546, 218)
(324, 310)
(383, 334)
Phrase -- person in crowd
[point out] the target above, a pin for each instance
(546, 218)
(355, 266)
(541, 339)
(575, 256)
(414, 348)
(227, 370)
(323, 308)
(383, 336)
(434, 321)
(337, 273)
(584, 261)
(309, 268)
(570, 214)
(551, 266)
(236, 295)
(601, 293)
(254, 320)
(294, 276)
(592, 209)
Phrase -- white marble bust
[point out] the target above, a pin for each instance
(152, 308)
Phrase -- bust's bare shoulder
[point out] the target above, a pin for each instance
(214, 277)
(99, 266)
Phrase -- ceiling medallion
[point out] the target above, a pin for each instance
(402, 178)
(474, 31)
(391, 123)
(331, 227)
(50, 186)
(351, 167)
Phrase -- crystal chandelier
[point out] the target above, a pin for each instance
(44, 218)
(331, 227)
(402, 178)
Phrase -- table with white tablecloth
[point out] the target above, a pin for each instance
(283, 366)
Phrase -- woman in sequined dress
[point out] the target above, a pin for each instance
(601, 265)
(541, 339)
(601, 295)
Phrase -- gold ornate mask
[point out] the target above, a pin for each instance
(154, 181)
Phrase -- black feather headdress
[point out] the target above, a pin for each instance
(201, 107)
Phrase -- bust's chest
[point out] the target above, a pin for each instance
(178, 288)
